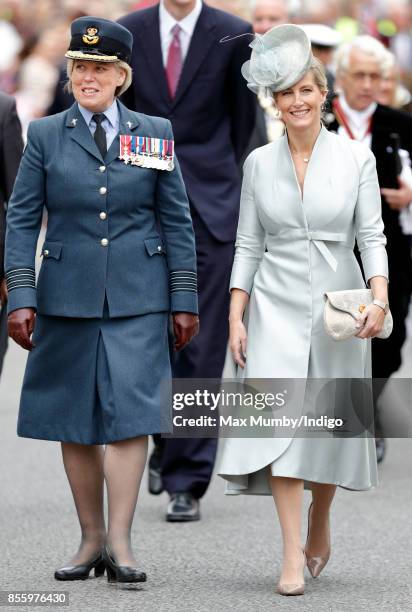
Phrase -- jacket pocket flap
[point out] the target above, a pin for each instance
(51, 250)
(154, 245)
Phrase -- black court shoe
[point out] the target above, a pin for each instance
(121, 573)
(81, 572)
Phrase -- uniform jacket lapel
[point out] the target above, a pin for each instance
(127, 124)
(80, 132)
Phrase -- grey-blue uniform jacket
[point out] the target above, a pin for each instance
(104, 217)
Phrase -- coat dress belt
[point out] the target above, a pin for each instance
(317, 237)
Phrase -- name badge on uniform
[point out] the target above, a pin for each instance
(146, 152)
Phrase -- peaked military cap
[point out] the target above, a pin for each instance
(100, 40)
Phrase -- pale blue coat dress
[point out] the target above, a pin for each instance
(289, 251)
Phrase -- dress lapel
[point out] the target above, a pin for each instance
(286, 178)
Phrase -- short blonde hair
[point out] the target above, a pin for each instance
(119, 64)
(319, 74)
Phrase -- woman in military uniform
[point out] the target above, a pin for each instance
(118, 258)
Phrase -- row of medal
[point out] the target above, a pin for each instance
(155, 153)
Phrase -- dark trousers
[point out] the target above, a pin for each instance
(387, 354)
(187, 464)
(3, 335)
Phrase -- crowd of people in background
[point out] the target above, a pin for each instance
(35, 33)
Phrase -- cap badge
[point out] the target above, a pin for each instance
(90, 38)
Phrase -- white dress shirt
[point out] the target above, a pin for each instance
(110, 124)
(358, 121)
(167, 23)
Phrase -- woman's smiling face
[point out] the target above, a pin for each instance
(301, 105)
(94, 83)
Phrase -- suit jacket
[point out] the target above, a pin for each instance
(11, 147)
(386, 121)
(102, 236)
(213, 113)
(259, 136)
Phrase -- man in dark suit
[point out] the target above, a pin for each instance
(11, 148)
(265, 15)
(355, 114)
(182, 72)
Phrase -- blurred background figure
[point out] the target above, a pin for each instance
(399, 12)
(11, 147)
(324, 40)
(265, 14)
(392, 92)
(240, 8)
(39, 72)
(11, 45)
(360, 66)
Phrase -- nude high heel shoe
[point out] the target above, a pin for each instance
(292, 589)
(315, 564)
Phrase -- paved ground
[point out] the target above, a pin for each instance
(228, 561)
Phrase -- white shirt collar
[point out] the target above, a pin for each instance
(111, 114)
(188, 24)
(358, 118)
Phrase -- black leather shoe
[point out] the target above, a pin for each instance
(81, 572)
(121, 573)
(182, 507)
(380, 444)
(155, 475)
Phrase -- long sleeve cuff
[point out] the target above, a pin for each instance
(375, 262)
(24, 297)
(183, 291)
(21, 287)
(243, 273)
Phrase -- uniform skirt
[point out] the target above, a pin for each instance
(96, 381)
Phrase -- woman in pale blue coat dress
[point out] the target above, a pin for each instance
(305, 199)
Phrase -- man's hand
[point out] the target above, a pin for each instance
(185, 327)
(21, 326)
(398, 199)
(3, 292)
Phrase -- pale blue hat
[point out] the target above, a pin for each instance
(280, 58)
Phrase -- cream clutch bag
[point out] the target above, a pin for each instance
(343, 308)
